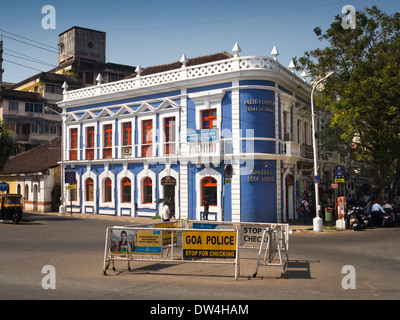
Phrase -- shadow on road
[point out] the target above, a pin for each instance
(298, 269)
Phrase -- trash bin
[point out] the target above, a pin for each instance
(328, 214)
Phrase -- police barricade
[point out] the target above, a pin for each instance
(271, 243)
(128, 243)
(250, 233)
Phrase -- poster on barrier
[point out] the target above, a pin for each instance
(136, 242)
(209, 244)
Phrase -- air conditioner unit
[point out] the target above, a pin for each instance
(127, 150)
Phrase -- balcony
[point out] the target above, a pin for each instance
(291, 149)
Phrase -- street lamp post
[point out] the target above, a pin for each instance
(317, 223)
(62, 207)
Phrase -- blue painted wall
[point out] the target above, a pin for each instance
(258, 197)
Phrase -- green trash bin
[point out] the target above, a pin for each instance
(328, 214)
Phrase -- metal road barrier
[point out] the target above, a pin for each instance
(194, 242)
(250, 233)
(273, 245)
(157, 244)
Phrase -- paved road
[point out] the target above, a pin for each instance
(74, 245)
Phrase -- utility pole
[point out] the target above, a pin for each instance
(1, 60)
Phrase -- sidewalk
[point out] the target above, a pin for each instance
(294, 225)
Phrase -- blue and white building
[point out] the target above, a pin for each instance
(233, 130)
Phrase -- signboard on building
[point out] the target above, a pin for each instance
(4, 186)
(202, 135)
(70, 175)
(209, 244)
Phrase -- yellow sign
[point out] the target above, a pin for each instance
(70, 187)
(337, 180)
(167, 235)
(149, 242)
(209, 244)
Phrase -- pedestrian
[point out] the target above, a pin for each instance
(305, 209)
(377, 212)
(166, 212)
(205, 212)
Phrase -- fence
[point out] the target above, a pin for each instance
(193, 242)
(180, 245)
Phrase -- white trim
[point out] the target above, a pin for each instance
(146, 172)
(209, 172)
(85, 176)
(78, 144)
(106, 174)
(140, 119)
(95, 142)
(125, 173)
(120, 147)
(162, 117)
(103, 122)
(208, 100)
(165, 173)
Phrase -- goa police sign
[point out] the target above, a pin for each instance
(209, 244)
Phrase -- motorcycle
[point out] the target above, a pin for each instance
(387, 220)
(355, 219)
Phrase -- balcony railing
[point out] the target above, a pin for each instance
(199, 71)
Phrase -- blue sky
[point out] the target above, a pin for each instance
(154, 32)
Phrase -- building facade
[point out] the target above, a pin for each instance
(36, 175)
(234, 131)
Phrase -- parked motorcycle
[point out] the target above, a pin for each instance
(387, 220)
(356, 219)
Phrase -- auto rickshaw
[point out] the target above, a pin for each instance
(11, 207)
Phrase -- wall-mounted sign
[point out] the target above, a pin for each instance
(258, 105)
(168, 181)
(4, 186)
(259, 102)
(69, 174)
(202, 135)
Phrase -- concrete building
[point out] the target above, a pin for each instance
(26, 106)
(36, 175)
(233, 131)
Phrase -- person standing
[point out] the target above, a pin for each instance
(305, 209)
(206, 207)
(377, 212)
(166, 212)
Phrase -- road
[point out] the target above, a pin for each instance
(74, 246)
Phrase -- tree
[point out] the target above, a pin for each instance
(363, 99)
(6, 145)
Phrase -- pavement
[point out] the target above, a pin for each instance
(294, 225)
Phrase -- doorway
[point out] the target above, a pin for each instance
(169, 184)
(289, 204)
(35, 197)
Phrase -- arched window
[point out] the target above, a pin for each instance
(126, 190)
(147, 190)
(209, 191)
(26, 196)
(107, 190)
(89, 189)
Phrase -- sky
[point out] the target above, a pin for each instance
(155, 32)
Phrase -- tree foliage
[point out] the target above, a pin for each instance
(6, 145)
(363, 99)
